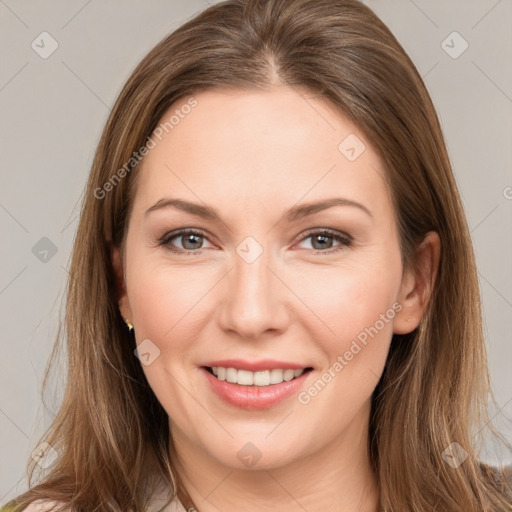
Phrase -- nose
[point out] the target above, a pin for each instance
(255, 298)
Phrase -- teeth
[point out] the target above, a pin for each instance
(247, 378)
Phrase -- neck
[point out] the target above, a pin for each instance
(338, 477)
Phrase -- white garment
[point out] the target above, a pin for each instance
(159, 498)
(156, 504)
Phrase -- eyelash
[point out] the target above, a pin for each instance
(345, 240)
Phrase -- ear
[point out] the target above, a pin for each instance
(418, 284)
(122, 296)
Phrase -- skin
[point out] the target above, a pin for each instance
(252, 156)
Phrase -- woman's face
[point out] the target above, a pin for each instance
(270, 279)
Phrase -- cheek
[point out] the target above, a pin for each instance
(357, 310)
(163, 298)
(167, 303)
(349, 300)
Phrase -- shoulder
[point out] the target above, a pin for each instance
(51, 506)
(44, 506)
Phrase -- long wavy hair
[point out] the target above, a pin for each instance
(111, 433)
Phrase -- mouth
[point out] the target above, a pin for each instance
(259, 379)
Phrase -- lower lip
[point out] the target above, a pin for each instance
(254, 397)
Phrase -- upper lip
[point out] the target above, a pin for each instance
(256, 366)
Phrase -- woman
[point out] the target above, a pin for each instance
(320, 348)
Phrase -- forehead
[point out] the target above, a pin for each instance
(273, 147)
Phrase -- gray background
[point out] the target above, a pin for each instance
(52, 111)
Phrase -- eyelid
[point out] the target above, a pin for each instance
(165, 239)
(344, 239)
(327, 231)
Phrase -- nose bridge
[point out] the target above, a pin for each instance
(254, 303)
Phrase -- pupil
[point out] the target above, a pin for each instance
(187, 238)
(322, 245)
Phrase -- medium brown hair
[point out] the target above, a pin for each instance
(110, 428)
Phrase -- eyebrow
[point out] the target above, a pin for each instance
(294, 214)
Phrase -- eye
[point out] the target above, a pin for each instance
(320, 240)
(191, 241)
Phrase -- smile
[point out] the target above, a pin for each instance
(259, 378)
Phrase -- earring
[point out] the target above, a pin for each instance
(130, 326)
